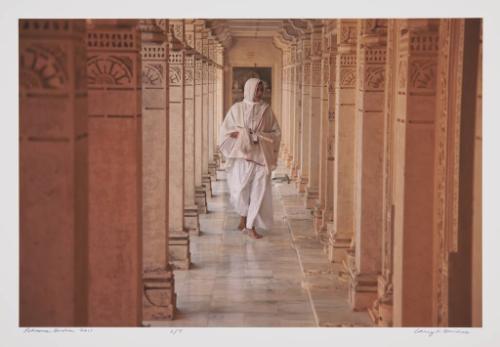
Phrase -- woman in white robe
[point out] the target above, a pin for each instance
(250, 139)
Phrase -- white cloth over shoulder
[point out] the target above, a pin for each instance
(253, 121)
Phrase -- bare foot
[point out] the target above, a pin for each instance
(243, 223)
(254, 234)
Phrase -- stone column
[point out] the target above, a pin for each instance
(291, 107)
(343, 208)
(381, 312)
(115, 173)
(327, 219)
(297, 107)
(305, 112)
(324, 190)
(206, 113)
(200, 194)
(211, 106)
(191, 220)
(455, 168)
(219, 98)
(312, 189)
(53, 173)
(179, 237)
(415, 111)
(477, 210)
(284, 100)
(158, 278)
(369, 137)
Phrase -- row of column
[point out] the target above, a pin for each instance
(117, 136)
(382, 133)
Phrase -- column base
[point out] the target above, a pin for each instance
(159, 298)
(312, 195)
(212, 166)
(217, 160)
(206, 181)
(289, 161)
(191, 220)
(294, 172)
(326, 218)
(201, 199)
(381, 311)
(317, 219)
(178, 244)
(362, 290)
(331, 240)
(302, 183)
(340, 246)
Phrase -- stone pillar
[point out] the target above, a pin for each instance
(157, 275)
(284, 101)
(179, 237)
(477, 226)
(343, 208)
(321, 214)
(191, 220)
(115, 173)
(219, 98)
(291, 108)
(369, 137)
(323, 131)
(455, 168)
(200, 194)
(296, 107)
(206, 113)
(382, 309)
(327, 219)
(312, 189)
(211, 106)
(53, 150)
(305, 112)
(415, 111)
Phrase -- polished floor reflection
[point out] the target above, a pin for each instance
(276, 281)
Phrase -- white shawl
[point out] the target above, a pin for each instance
(256, 116)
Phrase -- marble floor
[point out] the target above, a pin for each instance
(236, 281)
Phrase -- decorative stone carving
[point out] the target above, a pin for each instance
(375, 78)
(347, 78)
(175, 75)
(348, 34)
(152, 74)
(110, 40)
(110, 70)
(423, 74)
(153, 52)
(402, 74)
(43, 66)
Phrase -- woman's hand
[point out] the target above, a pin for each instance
(234, 134)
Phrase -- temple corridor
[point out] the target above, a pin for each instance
(124, 212)
(282, 280)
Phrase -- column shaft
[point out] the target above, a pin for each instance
(53, 173)
(312, 189)
(191, 219)
(414, 170)
(343, 208)
(159, 295)
(115, 169)
(369, 140)
(305, 112)
(179, 237)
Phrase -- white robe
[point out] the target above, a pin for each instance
(249, 165)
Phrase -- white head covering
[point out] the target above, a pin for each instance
(250, 89)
